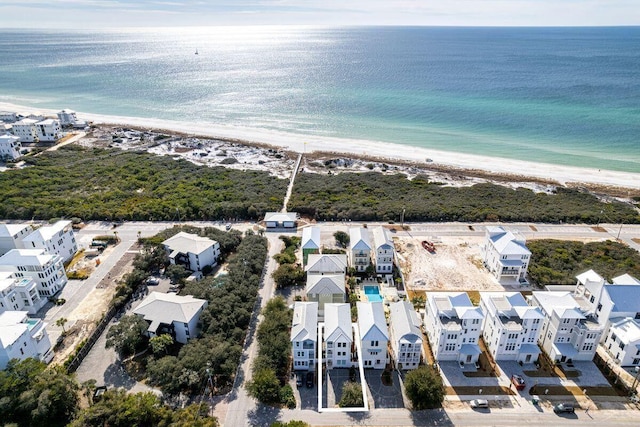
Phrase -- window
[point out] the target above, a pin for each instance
(450, 347)
(510, 347)
(588, 347)
(476, 321)
(374, 343)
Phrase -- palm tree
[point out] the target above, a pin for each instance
(60, 322)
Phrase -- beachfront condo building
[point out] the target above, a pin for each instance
(505, 255)
(10, 147)
(384, 251)
(359, 249)
(11, 236)
(22, 337)
(48, 130)
(45, 269)
(25, 129)
(405, 335)
(67, 117)
(56, 239)
(511, 327)
(19, 293)
(304, 335)
(374, 334)
(453, 325)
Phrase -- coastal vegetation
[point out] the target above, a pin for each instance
(289, 272)
(558, 262)
(99, 184)
(373, 196)
(424, 388)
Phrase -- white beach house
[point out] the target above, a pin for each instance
(8, 116)
(25, 129)
(310, 243)
(453, 326)
(323, 264)
(277, 221)
(10, 147)
(304, 335)
(11, 236)
(374, 334)
(569, 332)
(56, 239)
(384, 251)
(67, 117)
(45, 269)
(19, 293)
(192, 251)
(505, 255)
(338, 336)
(359, 249)
(511, 327)
(171, 314)
(405, 335)
(325, 289)
(622, 342)
(48, 130)
(22, 337)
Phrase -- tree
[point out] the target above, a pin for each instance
(60, 322)
(160, 343)
(288, 275)
(351, 395)
(128, 335)
(342, 238)
(424, 388)
(264, 386)
(176, 272)
(51, 399)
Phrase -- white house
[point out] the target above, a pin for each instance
(67, 117)
(10, 147)
(45, 269)
(22, 337)
(359, 248)
(171, 314)
(192, 251)
(19, 294)
(325, 289)
(25, 129)
(338, 335)
(505, 255)
(622, 342)
(374, 334)
(304, 335)
(278, 220)
(8, 117)
(384, 251)
(322, 264)
(568, 331)
(11, 236)
(310, 243)
(405, 335)
(453, 326)
(48, 130)
(511, 327)
(57, 239)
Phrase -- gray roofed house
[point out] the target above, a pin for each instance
(329, 288)
(172, 314)
(304, 335)
(384, 251)
(338, 335)
(192, 251)
(310, 243)
(505, 255)
(359, 248)
(405, 335)
(326, 264)
(374, 334)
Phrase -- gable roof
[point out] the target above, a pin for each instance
(371, 320)
(562, 303)
(10, 230)
(280, 216)
(589, 276)
(625, 279)
(405, 322)
(310, 238)
(509, 304)
(327, 284)
(359, 239)
(327, 263)
(381, 238)
(304, 325)
(626, 298)
(168, 308)
(17, 257)
(47, 232)
(454, 304)
(506, 242)
(187, 242)
(337, 322)
(12, 326)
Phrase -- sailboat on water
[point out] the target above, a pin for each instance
(196, 51)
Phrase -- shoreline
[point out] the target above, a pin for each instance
(445, 161)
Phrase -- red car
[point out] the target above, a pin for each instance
(518, 381)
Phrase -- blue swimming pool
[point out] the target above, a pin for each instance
(373, 293)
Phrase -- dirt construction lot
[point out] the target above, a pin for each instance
(455, 265)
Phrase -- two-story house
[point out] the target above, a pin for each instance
(192, 251)
(304, 335)
(359, 249)
(505, 255)
(568, 332)
(405, 335)
(511, 327)
(56, 239)
(338, 336)
(384, 251)
(374, 334)
(453, 325)
(310, 243)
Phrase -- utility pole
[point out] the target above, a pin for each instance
(402, 218)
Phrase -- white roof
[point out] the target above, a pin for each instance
(371, 320)
(510, 304)
(328, 284)
(25, 122)
(454, 304)
(506, 243)
(381, 238)
(10, 230)
(186, 242)
(47, 122)
(168, 308)
(562, 303)
(47, 232)
(304, 325)
(589, 276)
(310, 238)
(9, 138)
(627, 329)
(327, 263)
(405, 322)
(67, 111)
(625, 279)
(337, 321)
(280, 216)
(17, 257)
(359, 239)
(12, 327)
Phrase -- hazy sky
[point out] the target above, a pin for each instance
(115, 13)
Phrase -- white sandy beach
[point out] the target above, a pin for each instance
(355, 148)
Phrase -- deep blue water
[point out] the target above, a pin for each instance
(558, 95)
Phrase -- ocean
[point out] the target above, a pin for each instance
(566, 96)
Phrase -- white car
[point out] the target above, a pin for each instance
(479, 403)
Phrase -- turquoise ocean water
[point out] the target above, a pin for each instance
(567, 96)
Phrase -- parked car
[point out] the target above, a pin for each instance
(227, 227)
(518, 381)
(153, 281)
(479, 403)
(299, 378)
(564, 407)
(309, 379)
